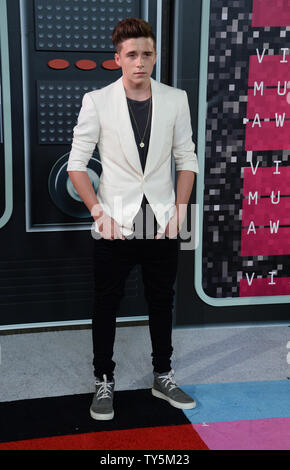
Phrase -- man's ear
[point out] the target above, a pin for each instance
(117, 59)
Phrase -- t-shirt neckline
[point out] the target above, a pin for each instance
(137, 101)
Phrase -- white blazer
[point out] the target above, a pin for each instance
(104, 120)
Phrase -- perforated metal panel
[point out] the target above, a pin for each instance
(47, 245)
(58, 107)
(79, 25)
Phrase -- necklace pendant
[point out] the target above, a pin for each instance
(142, 144)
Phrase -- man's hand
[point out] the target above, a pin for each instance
(172, 228)
(174, 225)
(108, 227)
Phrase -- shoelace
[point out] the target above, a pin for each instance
(105, 390)
(168, 380)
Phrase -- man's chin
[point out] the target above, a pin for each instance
(141, 79)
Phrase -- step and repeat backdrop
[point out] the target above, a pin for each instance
(232, 58)
(244, 121)
(52, 52)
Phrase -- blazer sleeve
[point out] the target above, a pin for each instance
(85, 136)
(183, 148)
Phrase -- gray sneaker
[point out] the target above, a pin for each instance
(102, 404)
(166, 388)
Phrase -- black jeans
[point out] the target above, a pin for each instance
(114, 260)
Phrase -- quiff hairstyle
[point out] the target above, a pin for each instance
(131, 28)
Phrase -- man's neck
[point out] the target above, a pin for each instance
(137, 93)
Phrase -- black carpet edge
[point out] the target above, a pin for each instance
(69, 414)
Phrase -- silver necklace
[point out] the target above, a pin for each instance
(141, 138)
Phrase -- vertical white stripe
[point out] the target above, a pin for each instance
(175, 43)
(145, 10)
(158, 39)
(175, 69)
(7, 121)
(26, 120)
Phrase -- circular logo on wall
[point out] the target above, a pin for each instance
(62, 191)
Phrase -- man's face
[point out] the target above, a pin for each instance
(137, 58)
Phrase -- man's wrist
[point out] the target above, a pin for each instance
(180, 214)
(97, 211)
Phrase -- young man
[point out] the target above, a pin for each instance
(137, 124)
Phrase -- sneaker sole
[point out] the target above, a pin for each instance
(176, 404)
(102, 416)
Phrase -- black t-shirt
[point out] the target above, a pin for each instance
(138, 111)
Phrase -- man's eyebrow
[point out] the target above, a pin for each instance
(133, 52)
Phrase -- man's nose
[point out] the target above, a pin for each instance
(140, 62)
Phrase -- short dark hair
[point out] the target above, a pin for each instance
(132, 28)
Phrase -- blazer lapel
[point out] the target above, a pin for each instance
(157, 129)
(126, 133)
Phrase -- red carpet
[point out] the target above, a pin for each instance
(182, 437)
(141, 422)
